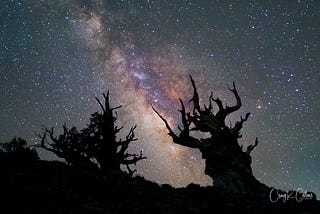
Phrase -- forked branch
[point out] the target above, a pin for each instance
(106, 106)
(238, 126)
(135, 158)
(184, 138)
(231, 109)
(129, 138)
(130, 171)
(251, 147)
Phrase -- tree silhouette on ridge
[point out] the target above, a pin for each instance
(225, 161)
(97, 144)
(18, 150)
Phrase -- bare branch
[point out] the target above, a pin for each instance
(50, 133)
(117, 130)
(106, 106)
(121, 153)
(134, 160)
(184, 139)
(210, 103)
(106, 100)
(101, 105)
(221, 109)
(185, 121)
(129, 137)
(49, 146)
(130, 171)
(43, 138)
(195, 98)
(171, 133)
(231, 109)
(112, 109)
(251, 147)
(238, 126)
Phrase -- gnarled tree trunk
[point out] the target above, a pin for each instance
(226, 162)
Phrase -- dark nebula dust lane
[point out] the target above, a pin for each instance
(56, 56)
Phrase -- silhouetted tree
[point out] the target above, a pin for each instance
(69, 146)
(18, 150)
(226, 163)
(95, 145)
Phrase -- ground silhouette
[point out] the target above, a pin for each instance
(54, 187)
(91, 180)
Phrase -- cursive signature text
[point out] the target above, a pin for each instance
(299, 195)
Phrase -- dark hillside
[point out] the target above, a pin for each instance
(37, 186)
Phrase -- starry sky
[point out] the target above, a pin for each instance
(56, 56)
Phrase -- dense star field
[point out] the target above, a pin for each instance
(56, 56)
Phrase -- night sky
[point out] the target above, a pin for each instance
(56, 56)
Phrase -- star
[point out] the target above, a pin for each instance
(57, 56)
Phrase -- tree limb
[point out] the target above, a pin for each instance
(184, 118)
(101, 105)
(231, 109)
(171, 133)
(106, 101)
(208, 109)
(134, 160)
(251, 147)
(129, 137)
(195, 98)
(130, 171)
(184, 138)
(238, 126)
(220, 112)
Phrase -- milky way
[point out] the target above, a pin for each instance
(56, 56)
(143, 80)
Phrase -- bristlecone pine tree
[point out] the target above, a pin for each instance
(96, 145)
(18, 150)
(225, 161)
